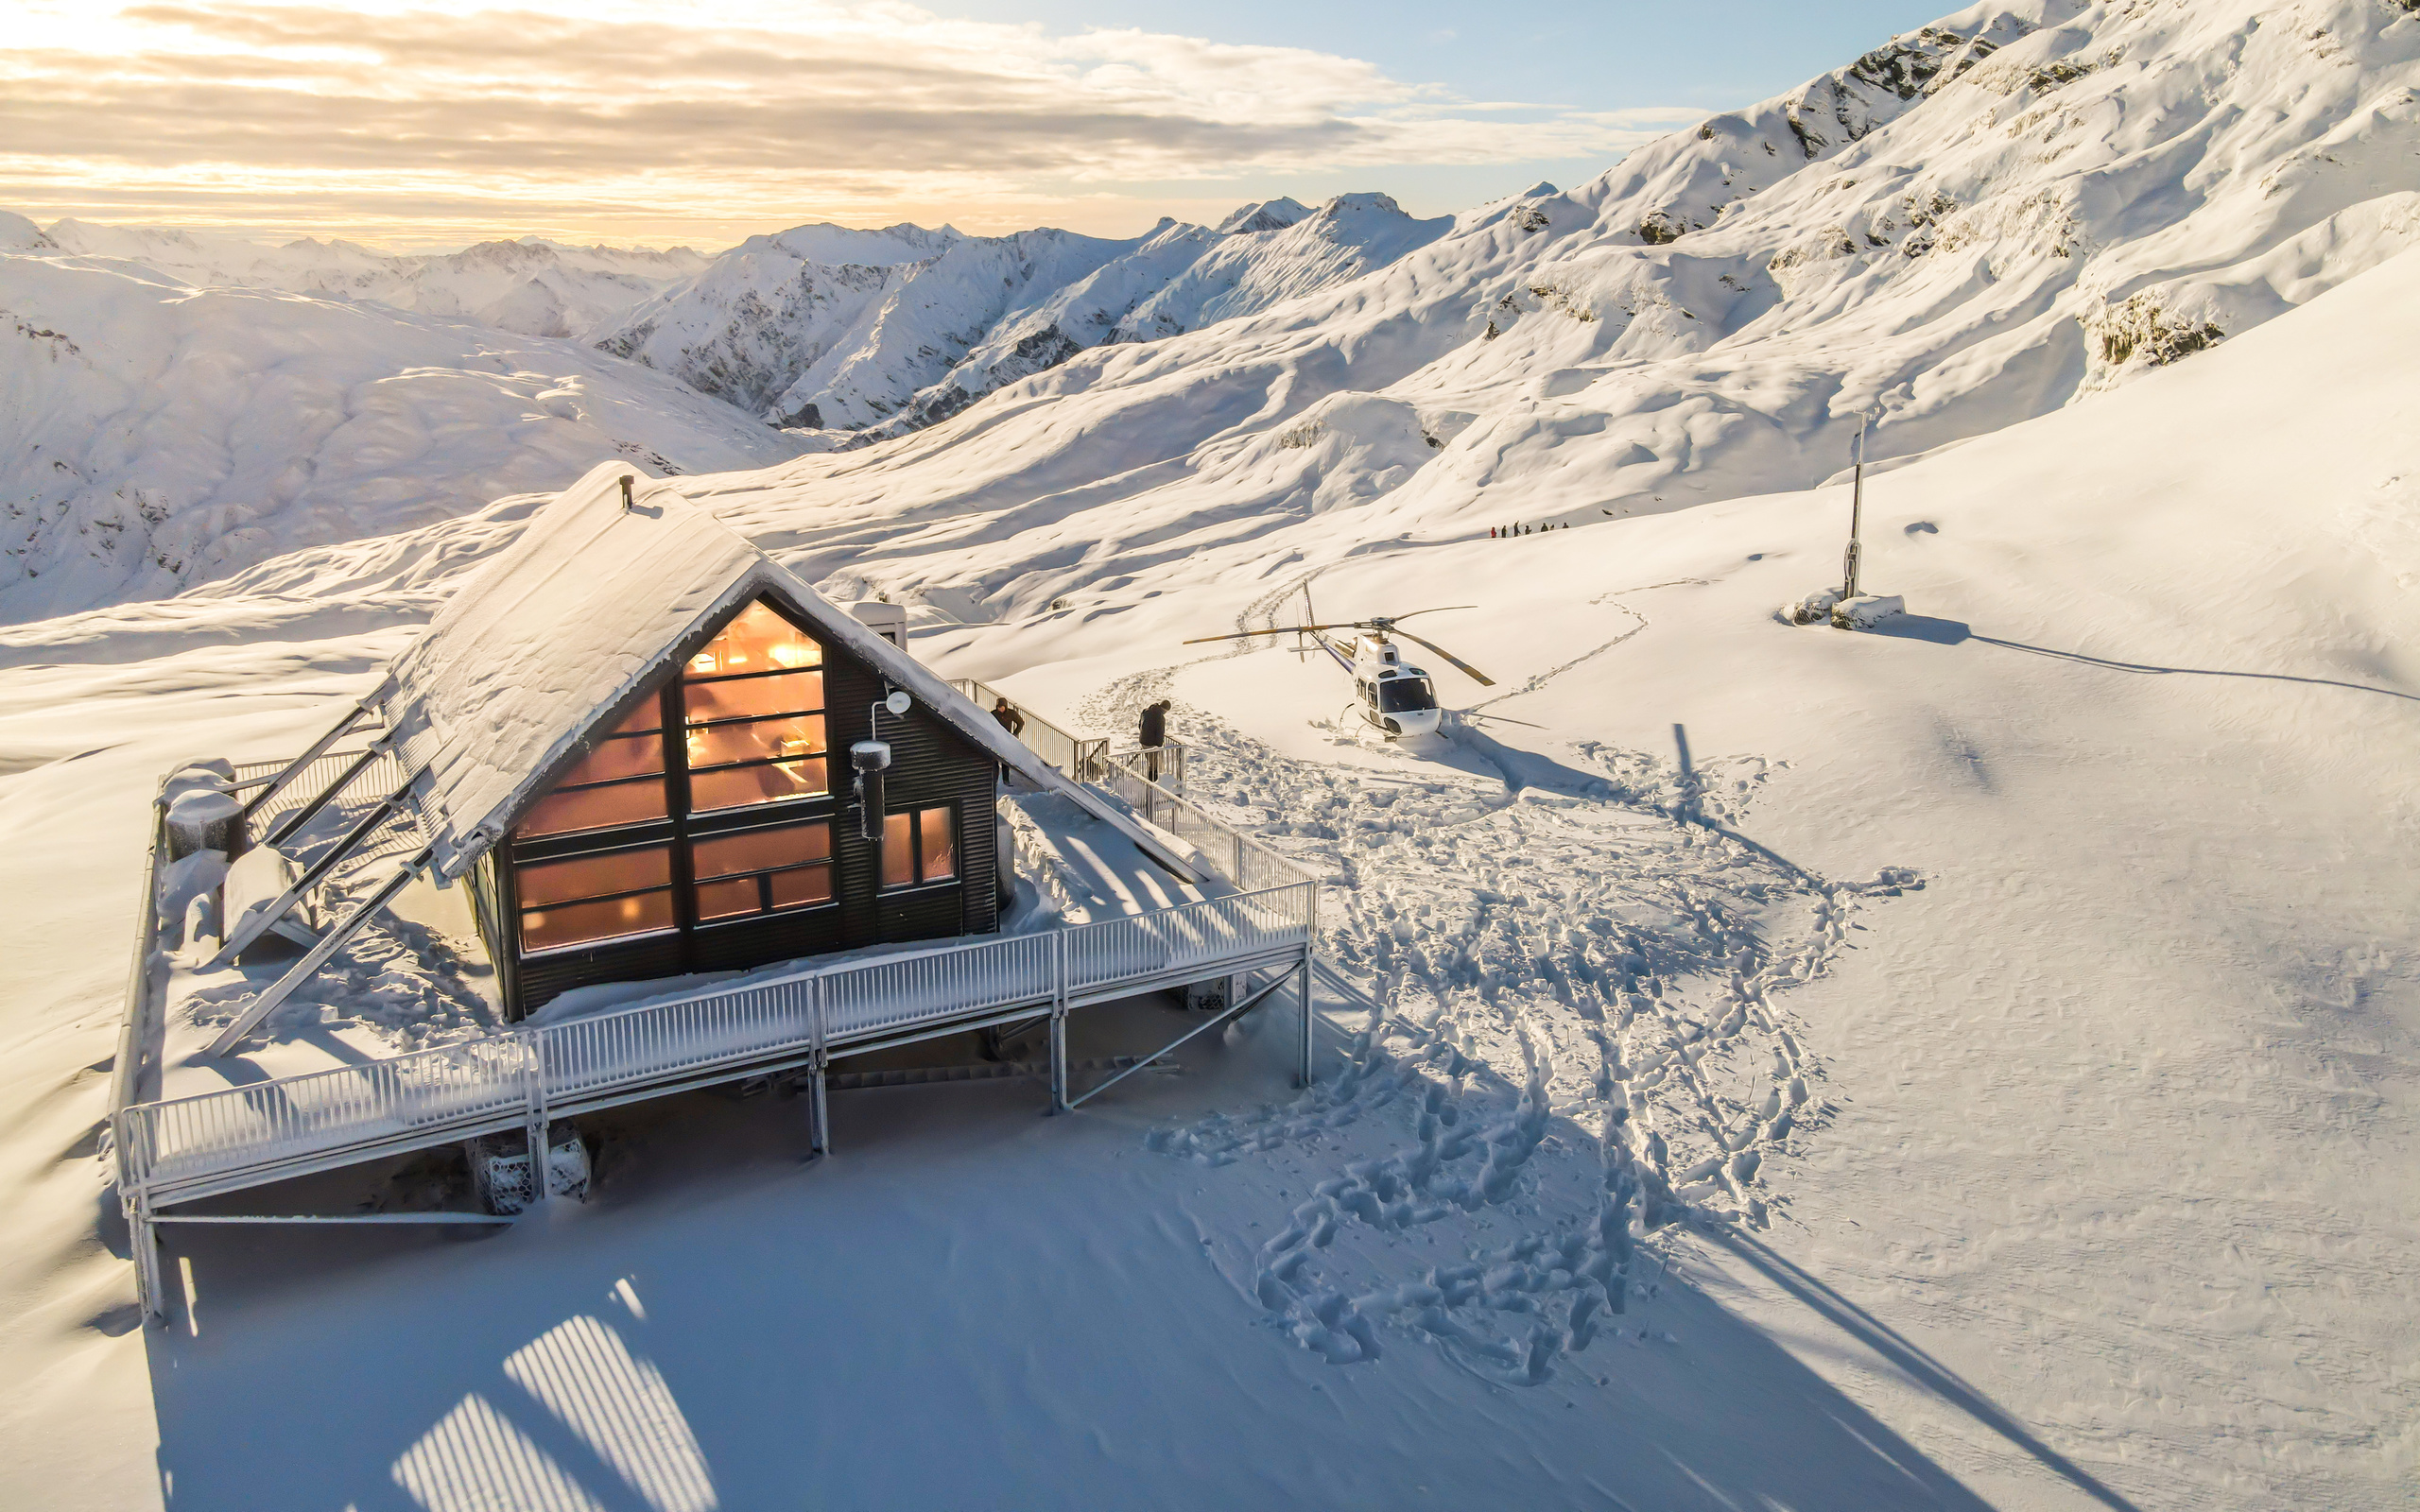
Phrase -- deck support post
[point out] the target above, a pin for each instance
(818, 1108)
(1310, 953)
(143, 1247)
(819, 1095)
(1302, 987)
(534, 1072)
(1059, 1102)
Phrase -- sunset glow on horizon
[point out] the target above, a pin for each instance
(420, 125)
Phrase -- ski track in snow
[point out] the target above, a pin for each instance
(1593, 972)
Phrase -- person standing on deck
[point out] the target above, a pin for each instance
(1006, 713)
(1152, 734)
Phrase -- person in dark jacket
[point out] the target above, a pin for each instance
(1006, 713)
(1152, 734)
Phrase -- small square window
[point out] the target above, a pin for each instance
(919, 847)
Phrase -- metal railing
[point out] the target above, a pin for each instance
(383, 776)
(1240, 859)
(1164, 764)
(430, 1096)
(1078, 756)
(347, 1108)
(426, 1097)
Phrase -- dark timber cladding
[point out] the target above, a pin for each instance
(649, 854)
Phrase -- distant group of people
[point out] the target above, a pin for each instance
(1508, 532)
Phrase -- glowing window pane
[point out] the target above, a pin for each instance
(579, 923)
(647, 718)
(758, 641)
(936, 848)
(744, 697)
(542, 882)
(596, 808)
(628, 756)
(739, 787)
(761, 849)
(898, 850)
(727, 900)
(807, 884)
(755, 740)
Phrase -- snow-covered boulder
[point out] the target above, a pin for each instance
(1866, 611)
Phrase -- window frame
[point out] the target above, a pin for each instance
(762, 876)
(914, 816)
(682, 825)
(662, 777)
(677, 704)
(670, 886)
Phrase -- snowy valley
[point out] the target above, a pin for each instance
(1970, 1063)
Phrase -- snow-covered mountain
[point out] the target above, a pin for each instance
(530, 286)
(825, 327)
(880, 333)
(1983, 220)
(154, 435)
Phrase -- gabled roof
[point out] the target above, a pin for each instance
(567, 626)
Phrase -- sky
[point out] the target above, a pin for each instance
(422, 125)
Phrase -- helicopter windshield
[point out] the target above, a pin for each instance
(1405, 695)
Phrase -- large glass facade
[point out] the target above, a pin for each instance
(750, 711)
(751, 707)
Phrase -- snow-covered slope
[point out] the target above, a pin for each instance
(530, 286)
(1345, 238)
(877, 334)
(154, 435)
(1981, 221)
(2081, 1174)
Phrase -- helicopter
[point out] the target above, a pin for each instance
(1397, 698)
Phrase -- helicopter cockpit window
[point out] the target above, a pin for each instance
(1403, 695)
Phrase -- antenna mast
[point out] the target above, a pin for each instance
(1856, 510)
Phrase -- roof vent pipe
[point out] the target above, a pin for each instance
(628, 503)
(869, 757)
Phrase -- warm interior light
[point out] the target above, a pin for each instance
(758, 637)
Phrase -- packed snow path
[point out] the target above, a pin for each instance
(1597, 967)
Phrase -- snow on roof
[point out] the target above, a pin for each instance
(574, 619)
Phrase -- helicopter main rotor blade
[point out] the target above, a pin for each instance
(1278, 629)
(1446, 608)
(1476, 675)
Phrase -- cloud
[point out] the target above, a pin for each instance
(831, 107)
